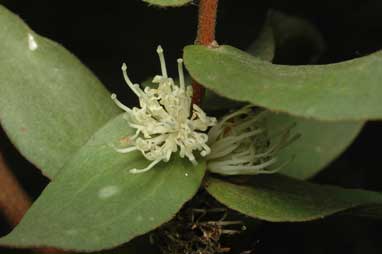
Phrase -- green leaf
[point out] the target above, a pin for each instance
(349, 90)
(264, 48)
(96, 203)
(290, 38)
(320, 143)
(297, 40)
(168, 3)
(279, 199)
(50, 103)
(265, 45)
(289, 34)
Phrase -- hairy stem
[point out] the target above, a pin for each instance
(205, 36)
(207, 22)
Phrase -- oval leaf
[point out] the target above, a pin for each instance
(265, 45)
(96, 203)
(349, 90)
(297, 40)
(281, 31)
(168, 3)
(50, 103)
(280, 199)
(319, 143)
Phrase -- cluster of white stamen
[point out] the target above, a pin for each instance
(239, 146)
(166, 120)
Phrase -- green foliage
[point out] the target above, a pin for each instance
(96, 203)
(50, 103)
(315, 149)
(264, 46)
(293, 34)
(344, 91)
(279, 198)
(284, 35)
(168, 3)
(318, 145)
(53, 109)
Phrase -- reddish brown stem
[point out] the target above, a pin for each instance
(207, 22)
(14, 202)
(205, 36)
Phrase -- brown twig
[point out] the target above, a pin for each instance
(14, 202)
(205, 36)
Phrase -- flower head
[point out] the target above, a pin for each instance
(240, 146)
(166, 120)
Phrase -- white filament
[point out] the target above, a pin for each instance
(166, 120)
(235, 148)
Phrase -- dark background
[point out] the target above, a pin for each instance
(104, 34)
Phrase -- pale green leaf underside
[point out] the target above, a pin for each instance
(96, 203)
(295, 36)
(50, 103)
(349, 90)
(264, 46)
(319, 144)
(287, 34)
(168, 3)
(281, 199)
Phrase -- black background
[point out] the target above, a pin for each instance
(104, 34)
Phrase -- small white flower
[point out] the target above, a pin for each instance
(239, 146)
(166, 120)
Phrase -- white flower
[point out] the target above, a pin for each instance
(166, 120)
(239, 146)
